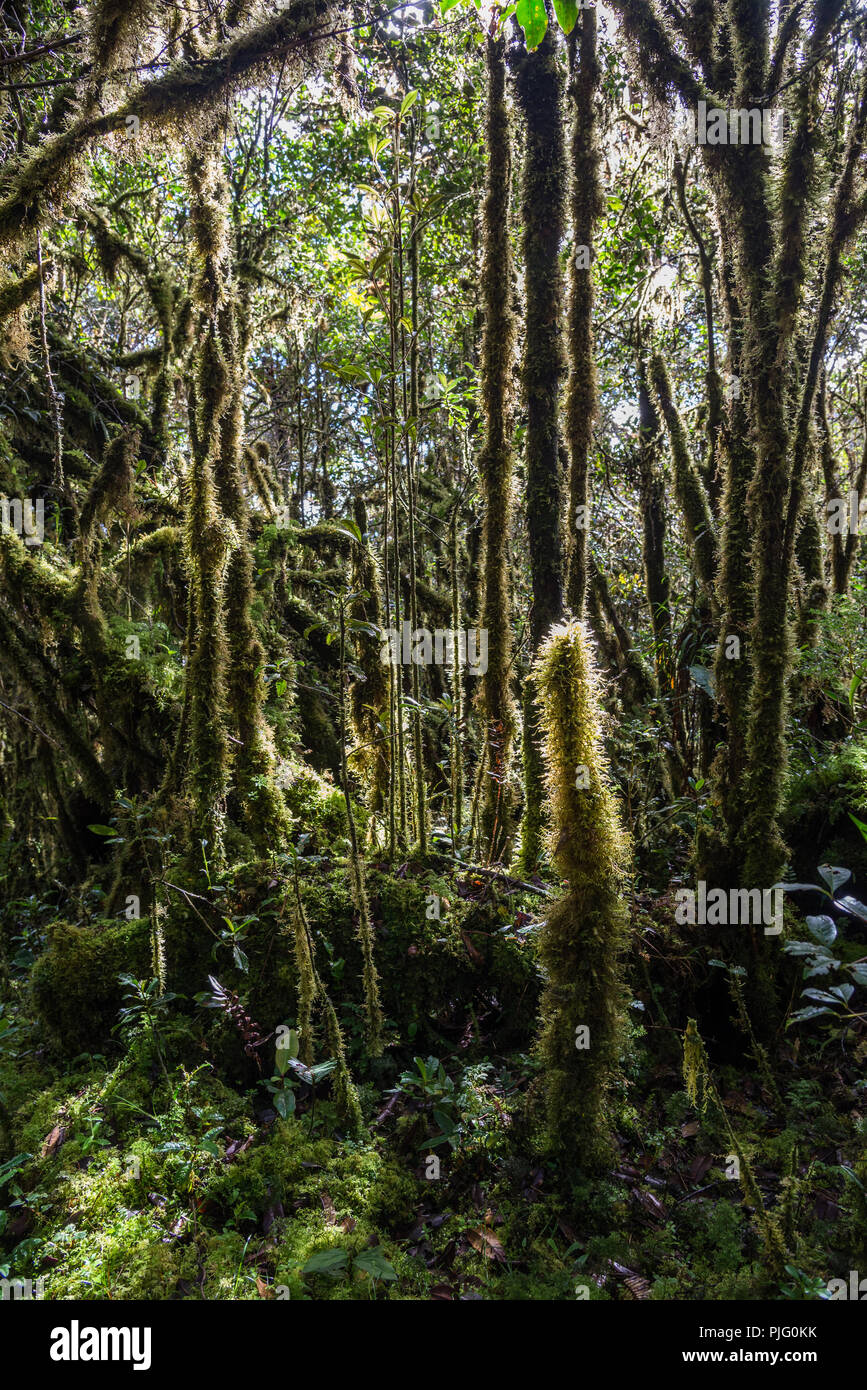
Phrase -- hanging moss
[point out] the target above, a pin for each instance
(584, 931)
(189, 93)
(656, 582)
(256, 464)
(228, 652)
(624, 663)
(115, 30)
(373, 1017)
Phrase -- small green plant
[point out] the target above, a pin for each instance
(431, 1088)
(833, 1001)
(234, 935)
(334, 1262)
(145, 1012)
(289, 1070)
(803, 1286)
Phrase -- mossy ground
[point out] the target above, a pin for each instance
(165, 1173)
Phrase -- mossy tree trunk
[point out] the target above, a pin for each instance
(495, 457)
(582, 402)
(776, 334)
(539, 86)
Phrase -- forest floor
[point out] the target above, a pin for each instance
(146, 1158)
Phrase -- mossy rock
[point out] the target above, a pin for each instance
(816, 822)
(437, 976)
(74, 984)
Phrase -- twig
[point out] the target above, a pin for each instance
(498, 874)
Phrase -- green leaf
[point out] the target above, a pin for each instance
(567, 14)
(853, 907)
(333, 1262)
(835, 878)
(102, 830)
(703, 677)
(408, 103)
(374, 1263)
(288, 1047)
(843, 992)
(446, 1124)
(533, 19)
(860, 824)
(803, 1014)
(284, 1103)
(11, 1166)
(820, 967)
(446, 5)
(301, 1069)
(822, 929)
(322, 1069)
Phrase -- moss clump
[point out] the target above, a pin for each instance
(74, 984)
(316, 804)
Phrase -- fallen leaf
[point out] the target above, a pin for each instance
(53, 1141)
(472, 952)
(487, 1244)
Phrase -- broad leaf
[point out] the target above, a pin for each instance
(822, 929)
(533, 19)
(803, 1014)
(853, 907)
(835, 878)
(374, 1263)
(567, 14)
(843, 992)
(284, 1103)
(334, 1262)
(703, 677)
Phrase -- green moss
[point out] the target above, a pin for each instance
(74, 984)
(316, 804)
(582, 938)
